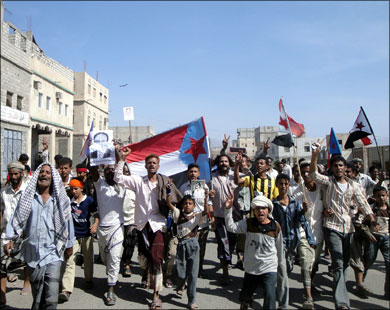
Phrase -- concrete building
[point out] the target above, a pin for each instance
(51, 105)
(138, 133)
(16, 78)
(91, 100)
(253, 140)
(370, 156)
(246, 139)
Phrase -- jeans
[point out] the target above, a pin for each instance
(282, 278)
(339, 247)
(45, 283)
(187, 264)
(383, 244)
(267, 281)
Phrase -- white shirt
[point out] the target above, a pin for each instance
(184, 229)
(273, 174)
(129, 207)
(9, 201)
(314, 210)
(287, 170)
(185, 188)
(146, 206)
(110, 203)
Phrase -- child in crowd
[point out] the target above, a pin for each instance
(187, 257)
(83, 207)
(381, 211)
(263, 250)
(290, 214)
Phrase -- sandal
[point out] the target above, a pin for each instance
(156, 304)
(109, 299)
(126, 272)
(193, 307)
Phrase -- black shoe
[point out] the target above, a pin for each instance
(64, 296)
(240, 265)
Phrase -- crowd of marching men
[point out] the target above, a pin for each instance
(269, 218)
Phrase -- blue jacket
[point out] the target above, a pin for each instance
(290, 220)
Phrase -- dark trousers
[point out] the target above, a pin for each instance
(129, 242)
(267, 282)
(226, 240)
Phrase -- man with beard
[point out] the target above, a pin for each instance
(223, 187)
(341, 195)
(110, 197)
(43, 216)
(150, 222)
(10, 196)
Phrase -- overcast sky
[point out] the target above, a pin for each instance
(227, 61)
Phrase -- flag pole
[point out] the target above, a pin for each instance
(377, 147)
(296, 155)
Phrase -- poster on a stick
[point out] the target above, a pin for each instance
(102, 150)
(128, 113)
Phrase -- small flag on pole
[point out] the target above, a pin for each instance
(297, 129)
(333, 146)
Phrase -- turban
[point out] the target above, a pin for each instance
(15, 165)
(262, 201)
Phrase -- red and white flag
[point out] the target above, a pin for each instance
(360, 131)
(297, 129)
(177, 148)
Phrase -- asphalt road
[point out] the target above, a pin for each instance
(210, 295)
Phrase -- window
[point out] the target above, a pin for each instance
(306, 148)
(11, 149)
(89, 118)
(100, 123)
(59, 107)
(19, 103)
(89, 89)
(66, 109)
(340, 142)
(94, 119)
(101, 97)
(40, 96)
(94, 92)
(9, 99)
(105, 99)
(48, 99)
(286, 149)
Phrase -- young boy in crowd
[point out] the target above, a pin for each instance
(83, 207)
(263, 250)
(381, 211)
(187, 257)
(290, 214)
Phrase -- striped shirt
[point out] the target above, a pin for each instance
(344, 204)
(265, 186)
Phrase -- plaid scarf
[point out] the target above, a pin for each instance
(62, 208)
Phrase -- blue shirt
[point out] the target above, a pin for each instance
(81, 214)
(39, 247)
(290, 219)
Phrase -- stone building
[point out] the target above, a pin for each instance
(90, 105)
(51, 105)
(16, 75)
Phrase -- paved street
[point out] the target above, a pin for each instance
(210, 295)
